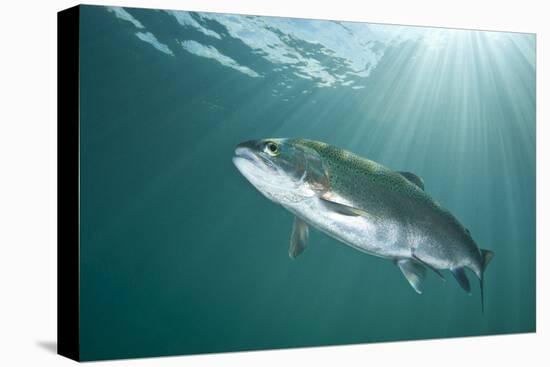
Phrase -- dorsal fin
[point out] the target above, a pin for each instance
(413, 178)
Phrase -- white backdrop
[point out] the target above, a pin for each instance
(28, 183)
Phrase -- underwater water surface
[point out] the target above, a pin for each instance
(180, 254)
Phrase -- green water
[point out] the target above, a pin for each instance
(180, 254)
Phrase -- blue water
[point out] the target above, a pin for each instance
(181, 255)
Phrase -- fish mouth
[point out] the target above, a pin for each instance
(244, 152)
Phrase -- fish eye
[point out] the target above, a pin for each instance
(271, 148)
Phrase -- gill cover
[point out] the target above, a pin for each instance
(299, 164)
(316, 173)
(283, 170)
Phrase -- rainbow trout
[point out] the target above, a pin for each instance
(362, 204)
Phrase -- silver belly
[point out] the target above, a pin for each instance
(383, 238)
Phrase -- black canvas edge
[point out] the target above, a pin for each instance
(68, 182)
(68, 190)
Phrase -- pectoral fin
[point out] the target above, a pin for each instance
(414, 272)
(343, 209)
(298, 238)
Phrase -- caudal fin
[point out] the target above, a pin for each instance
(486, 256)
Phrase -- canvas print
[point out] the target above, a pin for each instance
(252, 182)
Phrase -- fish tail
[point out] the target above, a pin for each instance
(482, 299)
(486, 256)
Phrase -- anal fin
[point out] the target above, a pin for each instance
(414, 272)
(461, 278)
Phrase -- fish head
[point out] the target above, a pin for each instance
(282, 169)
